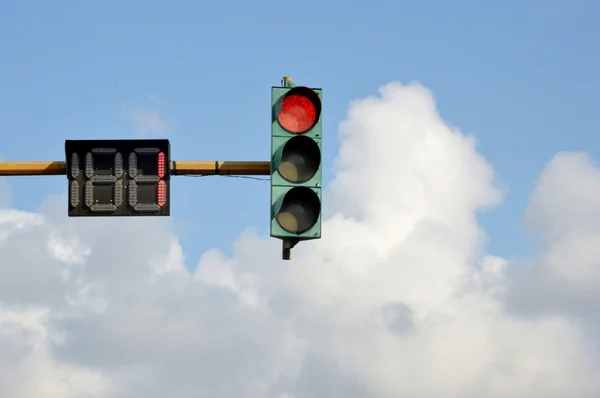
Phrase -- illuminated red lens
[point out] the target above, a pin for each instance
(298, 113)
(162, 196)
(161, 164)
(162, 186)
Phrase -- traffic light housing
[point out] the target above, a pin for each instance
(296, 171)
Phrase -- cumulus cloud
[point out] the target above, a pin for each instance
(564, 214)
(146, 122)
(399, 298)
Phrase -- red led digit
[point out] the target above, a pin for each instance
(161, 193)
(161, 164)
(161, 183)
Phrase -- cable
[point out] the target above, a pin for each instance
(226, 175)
(248, 177)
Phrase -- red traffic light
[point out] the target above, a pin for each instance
(300, 110)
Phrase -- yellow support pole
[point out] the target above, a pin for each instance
(220, 167)
(183, 167)
(32, 168)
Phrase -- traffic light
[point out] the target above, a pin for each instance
(296, 172)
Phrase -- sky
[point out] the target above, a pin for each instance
(461, 202)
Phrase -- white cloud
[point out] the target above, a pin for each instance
(398, 298)
(147, 122)
(564, 213)
(27, 367)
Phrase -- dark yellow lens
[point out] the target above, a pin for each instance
(300, 160)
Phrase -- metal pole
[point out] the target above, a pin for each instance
(286, 248)
(181, 167)
(32, 168)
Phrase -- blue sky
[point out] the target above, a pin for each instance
(398, 291)
(522, 76)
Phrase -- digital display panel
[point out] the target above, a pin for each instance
(118, 177)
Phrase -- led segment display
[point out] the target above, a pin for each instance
(118, 177)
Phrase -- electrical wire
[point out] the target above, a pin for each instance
(227, 175)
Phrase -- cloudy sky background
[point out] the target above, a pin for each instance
(459, 253)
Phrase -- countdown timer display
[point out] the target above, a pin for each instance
(118, 177)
